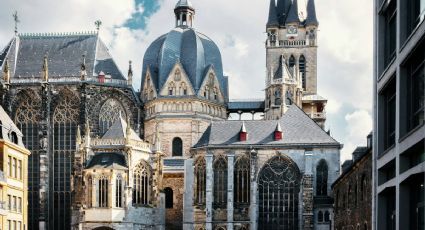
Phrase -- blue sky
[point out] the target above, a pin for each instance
(237, 26)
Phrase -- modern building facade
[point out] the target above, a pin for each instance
(13, 175)
(399, 130)
(353, 192)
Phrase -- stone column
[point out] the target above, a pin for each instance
(188, 209)
(307, 190)
(253, 206)
(44, 152)
(209, 191)
(230, 167)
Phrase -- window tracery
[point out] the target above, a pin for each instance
(119, 191)
(242, 180)
(103, 184)
(142, 184)
(200, 181)
(322, 178)
(109, 113)
(220, 182)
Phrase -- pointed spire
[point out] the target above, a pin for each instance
(243, 133)
(273, 20)
(311, 19)
(293, 13)
(282, 10)
(6, 72)
(45, 69)
(130, 74)
(278, 132)
(83, 72)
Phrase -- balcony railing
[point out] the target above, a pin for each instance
(318, 115)
(287, 43)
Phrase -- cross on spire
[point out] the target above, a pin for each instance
(98, 23)
(16, 19)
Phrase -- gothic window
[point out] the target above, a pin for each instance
(291, 64)
(177, 147)
(89, 191)
(150, 94)
(177, 75)
(327, 216)
(242, 181)
(277, 97)
(322, 178)
(119, 191)
(278, 188)
(103, 184)
(320, 217)
(220, 182)
(171, 89)
(215, 94)
(289, 99)
(200, 181)
(183, 89)
(65, 118)
(168, 197)
(302, 66)
(142, 184)
(109, 113)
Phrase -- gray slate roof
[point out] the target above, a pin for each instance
(184, 3)
(311, 14)
(293, 13)
(26, 52)
(195, 51)
(282, 10)
(118, 130)
(246, 105)
(273, 20)
(107, 160)
(298, 129)
(7, 126)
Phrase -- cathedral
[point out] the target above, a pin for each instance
(104, 156)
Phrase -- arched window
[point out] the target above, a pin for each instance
(242, 181)
(171, 89)
(177, 75)
(103, 192)
(278, 181)
(177, 147)
(109, 113)
(322, 178)
(365, 226)
(89, 191)
(142, 184)
(327, 216)
(277, 97)
(291, 64)
(220, 182)
(200, 181)
(65, 120)
(320, 217)
(168, 197)
(302, 66)
(119, 192)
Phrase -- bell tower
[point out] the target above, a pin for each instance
(291, 60)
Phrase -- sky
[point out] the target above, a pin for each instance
(345, 39)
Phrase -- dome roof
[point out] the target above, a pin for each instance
(184, 3)
(196, 52)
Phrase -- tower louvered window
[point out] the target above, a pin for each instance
(27, 119)
(65, 117)
(322, 178)
(220, 182)
(142, 184)
(109, 113)
(200, 181)
(302, 66)
(278, 190)
(242, 181)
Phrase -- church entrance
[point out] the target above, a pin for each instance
(278, 189)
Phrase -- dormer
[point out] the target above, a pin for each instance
(243, 135)
(178, 83)
(278, 132)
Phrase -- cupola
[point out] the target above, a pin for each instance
(243, 135)
(185, 13)
(278, 132)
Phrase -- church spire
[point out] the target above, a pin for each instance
(311, 19)
(185, 13)
(130, 74)
(273, 20)
(293, 13)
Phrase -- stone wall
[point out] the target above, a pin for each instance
(174, 216)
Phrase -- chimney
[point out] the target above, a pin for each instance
(278, 132)
(243, 135)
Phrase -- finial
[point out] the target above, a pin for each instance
(83, 72)
(45, 69)
(78, 138)
(130, 74)
(16, 19)
(98, 23)
(6, 72)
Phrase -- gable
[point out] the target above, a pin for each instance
(178, 83)
(210, 88)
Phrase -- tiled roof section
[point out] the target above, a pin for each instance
(64, 54)
(108, 160)
(293, 13)
(297, 128)
(273, 20)
(311, 14)
(7, 126)
(195, 51)
(118, 130)
(246, 105)
(313, 97)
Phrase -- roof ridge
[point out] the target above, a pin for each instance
(58, 34)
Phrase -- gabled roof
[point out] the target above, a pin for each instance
(311, 14)
(118, 130)
(297, 127)
(7, 126)
(107, 160)
(64, 53)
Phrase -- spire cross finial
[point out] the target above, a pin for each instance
(16, 19)
(98, 23)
